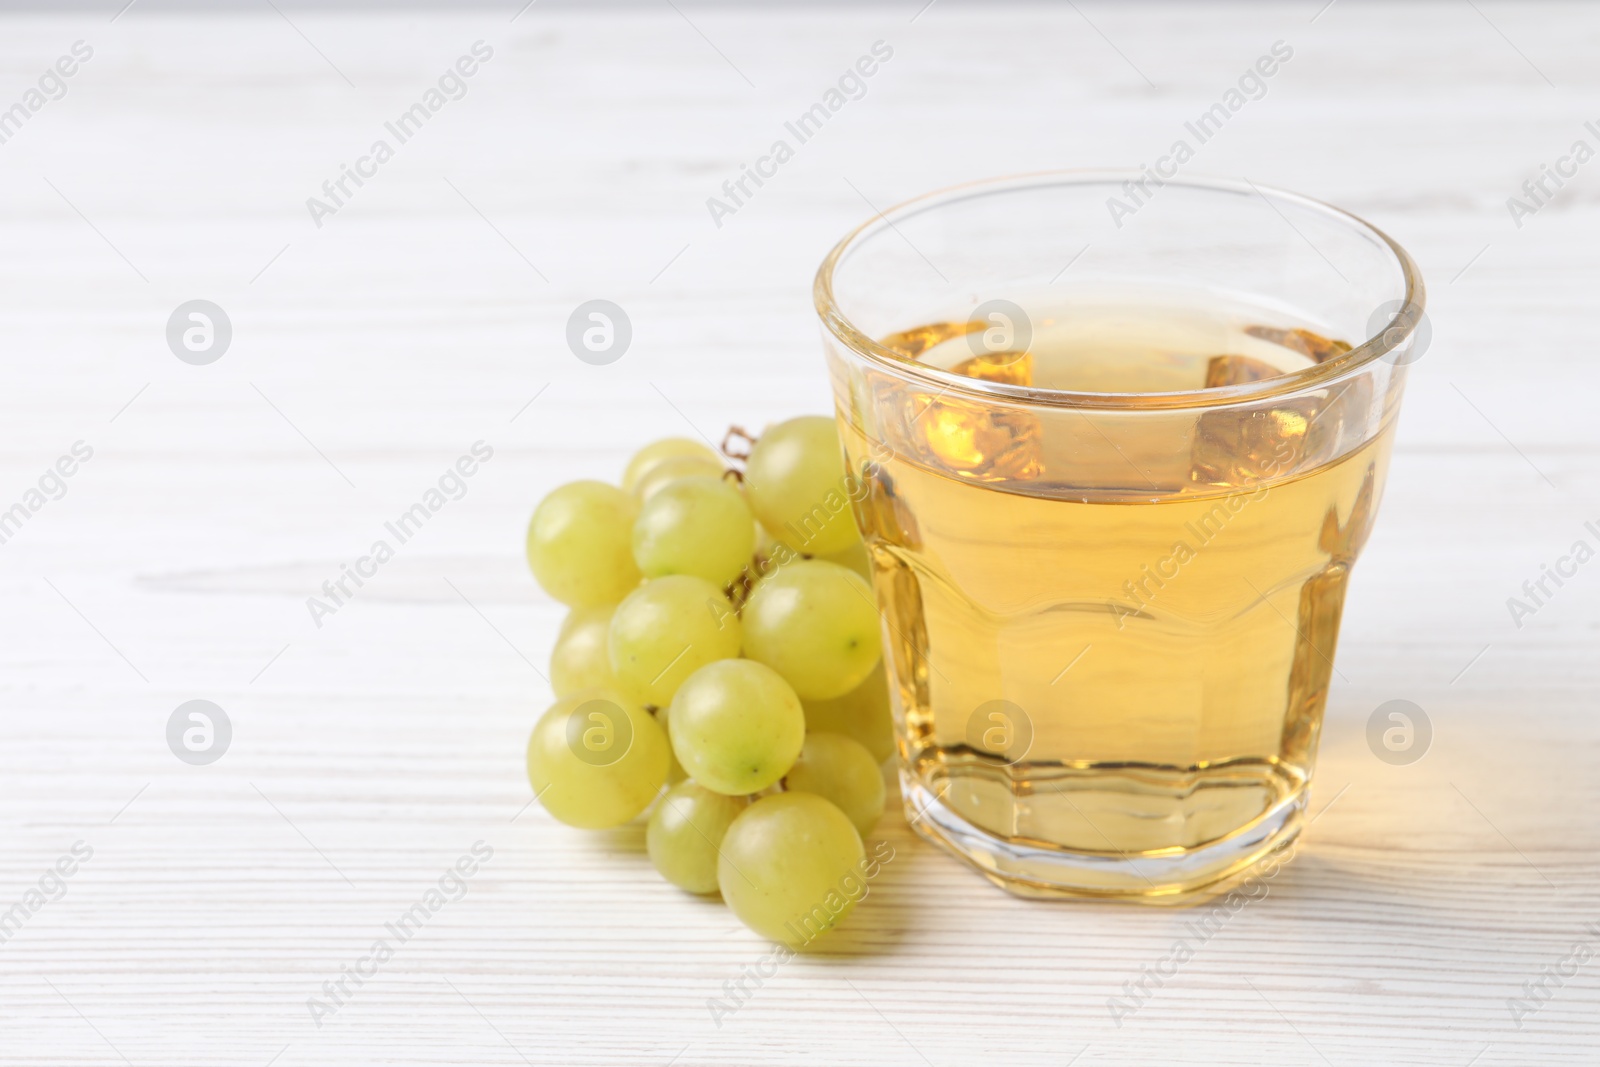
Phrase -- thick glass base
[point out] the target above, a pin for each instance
(1160, 876)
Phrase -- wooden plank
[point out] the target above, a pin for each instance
(428, 313)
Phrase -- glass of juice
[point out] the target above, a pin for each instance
(1117, 445)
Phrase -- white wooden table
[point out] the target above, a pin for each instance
(428, 312)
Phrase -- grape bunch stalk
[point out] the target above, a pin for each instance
(721, 667)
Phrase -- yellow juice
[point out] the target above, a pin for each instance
(1113, 633)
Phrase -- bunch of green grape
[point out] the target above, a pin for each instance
(722, 662)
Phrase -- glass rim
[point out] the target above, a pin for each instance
(1393, 335)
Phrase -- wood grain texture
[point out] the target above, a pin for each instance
(370, 753)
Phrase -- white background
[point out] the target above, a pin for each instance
(369, 754)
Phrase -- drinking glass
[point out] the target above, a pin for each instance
(1117, 445)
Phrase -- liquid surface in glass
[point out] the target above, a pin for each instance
(1113, 632)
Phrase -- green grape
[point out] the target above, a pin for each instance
(656, 453)
(795, 479)
(791, 867)
(816, 624)
(597, 759)
(684, 832)
(766, 544)
(580, 659)
(580, 544)
(666, 630)
(838, 769)
(675, 771)
(698, 526)
(862, 714)
(736, 726)
(676, 469)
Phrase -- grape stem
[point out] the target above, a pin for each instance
(738, 433)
